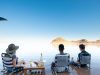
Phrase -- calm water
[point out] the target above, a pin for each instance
(33, 51)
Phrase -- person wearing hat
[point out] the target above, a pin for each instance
(11, 52)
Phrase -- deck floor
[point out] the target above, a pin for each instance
(73, 71)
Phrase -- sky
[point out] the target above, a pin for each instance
(71, 19)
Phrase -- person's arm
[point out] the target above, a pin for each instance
(14, 62)
(15, 59)
(78, 60)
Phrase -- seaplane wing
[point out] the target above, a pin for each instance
(2, 19)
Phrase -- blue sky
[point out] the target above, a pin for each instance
(71, 19)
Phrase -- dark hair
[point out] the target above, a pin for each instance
(61, 47)
(82, 46)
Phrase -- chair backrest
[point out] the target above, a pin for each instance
(85, 59)
(62, 60)
(7, 60)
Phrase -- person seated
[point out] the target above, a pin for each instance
(60, 55)
(83, 52)
(12, 59)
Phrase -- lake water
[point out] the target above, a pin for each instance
(30, 51)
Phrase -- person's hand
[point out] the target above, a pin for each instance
(77, 62)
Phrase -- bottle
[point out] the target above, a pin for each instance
(41, 61)
(72, 61)
(30, 63)
(41, 58)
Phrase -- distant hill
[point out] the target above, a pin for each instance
(61, 40)
(98, 41)
(58, 39)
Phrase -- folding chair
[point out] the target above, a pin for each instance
(61, 63)
(7, 63)
(5, 60)
(85, 59)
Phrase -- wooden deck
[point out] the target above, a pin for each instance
(72, 71)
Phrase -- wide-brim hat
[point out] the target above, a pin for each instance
(11, 49)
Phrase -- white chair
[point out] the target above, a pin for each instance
(62, 62)
(85, 59)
